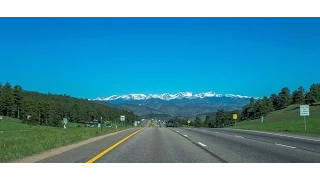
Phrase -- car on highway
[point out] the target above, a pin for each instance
(91, 124)
(170, 123)
(108, 125)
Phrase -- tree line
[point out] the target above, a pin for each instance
(49, 109)
(258, 107)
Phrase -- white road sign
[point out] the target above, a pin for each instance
(304, 110)
(65, 120)
(122, 118)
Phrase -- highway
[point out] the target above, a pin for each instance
(238, 146)
(194, 145)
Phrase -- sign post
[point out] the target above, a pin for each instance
(235, 117)
(189, 123)
(101, 123)
(261, 121)
(65, 121)
(0, 117)
(122, 119)
(304, 111)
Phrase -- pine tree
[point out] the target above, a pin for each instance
(18, 96)
(8, 100)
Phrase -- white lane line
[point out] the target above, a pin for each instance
(285, 146)
(217, 132)
(239, 137)
(202, 144)
(300, 138)
(177, 131)
(295, 137)
(185, 135)
(204, 130)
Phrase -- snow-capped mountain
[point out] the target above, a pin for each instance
(168, 97)
(184, 104)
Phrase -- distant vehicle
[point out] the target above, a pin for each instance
(170, 124)
(108, 125)
(91, 124)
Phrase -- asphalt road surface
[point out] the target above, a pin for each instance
(188, 145)
(241, 146)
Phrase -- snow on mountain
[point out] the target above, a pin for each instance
(168, 97)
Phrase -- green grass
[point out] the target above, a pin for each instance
(151, 124)
(19, 140)
(286, 120)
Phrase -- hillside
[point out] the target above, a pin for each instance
(138, 110)
(49, 109)
(203, 116)
(286, 120)
(183, 107)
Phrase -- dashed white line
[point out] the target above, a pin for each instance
(202, 144)
(285, 146)
(204, 130)
(185, 135)
(217, 132)
(295, 137)
(239, 137)
(177, 131)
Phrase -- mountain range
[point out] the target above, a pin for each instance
(183, 104)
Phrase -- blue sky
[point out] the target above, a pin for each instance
(91, 57)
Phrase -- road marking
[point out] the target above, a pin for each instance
(239, 137)
(202, 144)
(177, 131)
(217, 132)
(112, 147)
(295, 137)
(285, 146)
(185, 135)
(204, 130)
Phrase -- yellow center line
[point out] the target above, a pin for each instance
(112, 147)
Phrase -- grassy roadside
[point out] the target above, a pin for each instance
(286, 120)
(19, 140)
(151, 124)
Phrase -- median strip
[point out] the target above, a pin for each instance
(112, 147)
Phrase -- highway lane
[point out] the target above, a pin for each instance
(236, 146)
(84, 153)
(158, 145)
(194, 145)
(301, 142)
(150, 145)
